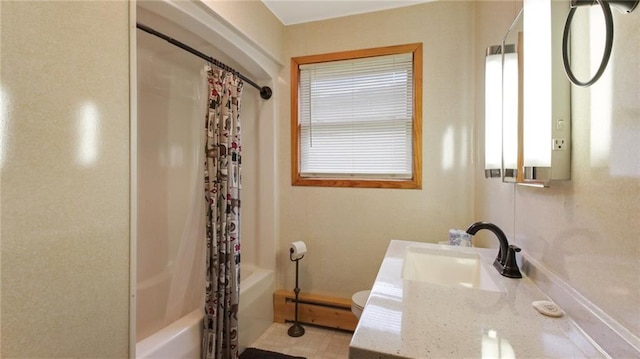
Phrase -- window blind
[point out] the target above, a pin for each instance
(355, 117)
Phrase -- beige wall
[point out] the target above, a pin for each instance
(585, 230)
(65, 179)
(347, 230)
(254, 20)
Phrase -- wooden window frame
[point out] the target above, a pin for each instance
(415, 182)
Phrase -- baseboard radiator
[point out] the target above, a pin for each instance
(324, 311)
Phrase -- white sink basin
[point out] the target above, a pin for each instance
(449, 267)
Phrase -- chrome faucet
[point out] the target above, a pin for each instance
(505, 262)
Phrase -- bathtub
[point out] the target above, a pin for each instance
(181, 339)
(256, 303)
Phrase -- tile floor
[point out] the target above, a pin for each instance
(316, 343)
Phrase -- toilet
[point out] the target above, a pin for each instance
(358, 301)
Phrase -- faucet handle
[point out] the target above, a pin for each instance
(511, 269)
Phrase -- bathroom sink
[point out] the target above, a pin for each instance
(449, 267)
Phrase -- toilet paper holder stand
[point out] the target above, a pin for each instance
(296, 330)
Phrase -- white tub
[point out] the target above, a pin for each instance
(181, 339)
(256, 303)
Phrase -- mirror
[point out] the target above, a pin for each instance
(535, 96)
(512, 101)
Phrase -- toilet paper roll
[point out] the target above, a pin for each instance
(297, 250)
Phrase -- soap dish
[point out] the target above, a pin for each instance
(548, 308)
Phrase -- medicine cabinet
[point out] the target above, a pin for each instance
(528, 122)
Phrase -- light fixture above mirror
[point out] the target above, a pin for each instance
(493, 112)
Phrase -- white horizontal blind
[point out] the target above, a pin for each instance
(355, 118)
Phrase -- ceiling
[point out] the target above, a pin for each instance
(299, 11)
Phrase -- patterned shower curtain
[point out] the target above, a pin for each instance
(222, 194)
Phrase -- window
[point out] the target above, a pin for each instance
(357, 118)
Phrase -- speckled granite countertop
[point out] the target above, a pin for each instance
(410, 319)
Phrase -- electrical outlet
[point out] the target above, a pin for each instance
(559, 144)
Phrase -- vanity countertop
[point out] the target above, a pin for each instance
(410, 319)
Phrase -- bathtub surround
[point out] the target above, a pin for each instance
(173, 98)
(170, 212)
(176, 131)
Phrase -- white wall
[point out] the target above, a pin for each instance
(65, 179)
(347, 230)
(584, 230)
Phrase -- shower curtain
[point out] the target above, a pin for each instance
(222, 194)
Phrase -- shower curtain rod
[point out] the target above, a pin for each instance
(265, 91)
